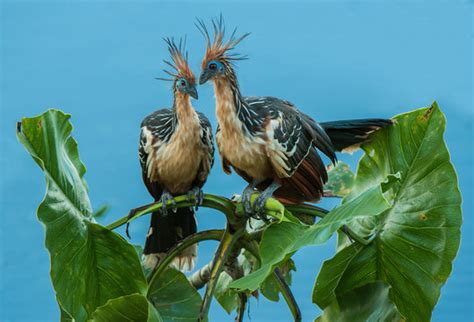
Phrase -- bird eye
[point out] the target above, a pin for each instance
(212, 66)
(183, 83)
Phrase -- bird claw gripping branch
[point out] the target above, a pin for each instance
(165, 197)
(197, 194)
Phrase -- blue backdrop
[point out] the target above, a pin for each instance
(98, 60)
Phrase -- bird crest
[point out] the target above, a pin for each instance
(179, 61)
(217, 48)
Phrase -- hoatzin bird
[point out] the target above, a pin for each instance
(267, 140)
(176, 154)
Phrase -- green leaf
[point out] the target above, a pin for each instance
(64, 316)
(341, 179)
(133, 307)
(281, 240)
(369, 303)
(89, 264)
(101, 211)
(324, 291)
(174, 297)
(270, 287)
(226, 296)
(418, 238)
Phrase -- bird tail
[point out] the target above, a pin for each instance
(167, 231)
(348, 135)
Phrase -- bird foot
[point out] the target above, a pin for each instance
(196, 194)
(259, 207)
(246, 203)
(165, 197)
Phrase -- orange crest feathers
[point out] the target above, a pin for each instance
(180, 65)
(217, 49)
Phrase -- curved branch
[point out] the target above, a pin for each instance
(215, 234)
(221, 204)
(225, 247)
(287, 294)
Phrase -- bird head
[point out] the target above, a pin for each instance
(183, 78)
(217, 61)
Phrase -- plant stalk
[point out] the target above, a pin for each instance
(215, 234)
(241, 308)
(287, 295)
(228, 240)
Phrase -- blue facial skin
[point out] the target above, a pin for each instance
(212, 69)
(183, 86)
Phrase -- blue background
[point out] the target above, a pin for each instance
(335, 60)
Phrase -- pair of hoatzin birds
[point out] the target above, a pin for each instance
(266, 140)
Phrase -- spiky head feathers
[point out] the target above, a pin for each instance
(217, 48)
(179, 64)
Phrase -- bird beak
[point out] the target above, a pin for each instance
(193, 92)
(205, 76)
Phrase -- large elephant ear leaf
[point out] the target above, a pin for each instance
(133, 307)
(416, 239)
(369, 303)
(174, 297)
(89, 264)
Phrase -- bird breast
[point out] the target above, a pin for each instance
(175, 164)
(243, 151)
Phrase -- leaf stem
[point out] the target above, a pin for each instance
(287, 294)
(241, 307)
(307, 210)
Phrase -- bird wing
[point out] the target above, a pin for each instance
(290, 134)
(207, 141)
(156, 130)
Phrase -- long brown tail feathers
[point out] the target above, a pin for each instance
(348, 135)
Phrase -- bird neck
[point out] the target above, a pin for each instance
(231, 109)
(182, 108)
